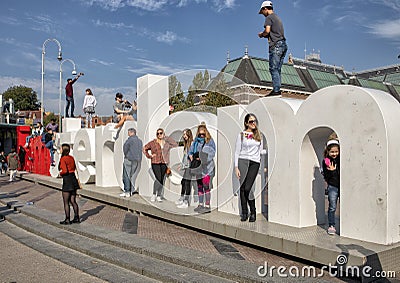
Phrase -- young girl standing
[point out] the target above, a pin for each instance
(331, 173)
(89, 104)
(183, 201)
(249, 145)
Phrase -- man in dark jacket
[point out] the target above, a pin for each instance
(132, 160)
(69, 95)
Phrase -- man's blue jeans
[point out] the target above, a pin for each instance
(70, 101)
(333, 195)
(130, 172)
(50, 145)
(276, 57)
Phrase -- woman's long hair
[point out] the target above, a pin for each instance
(204, 127)
(256, 132)
(188, 142)
(65, 149)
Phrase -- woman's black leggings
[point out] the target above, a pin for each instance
(70, 198)
(159, 172)
(248, 173)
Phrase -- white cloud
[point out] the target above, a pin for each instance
(168, 37)
(44, 23)
(220, 5)
(154, 5)
(101, 62)
(10, 21)
(393, 4)
(387, 29)
(113, 5)
(148, 66)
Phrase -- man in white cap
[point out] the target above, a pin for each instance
(273, 30)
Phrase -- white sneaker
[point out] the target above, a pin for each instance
(179, 201)
(159, 199)
(183, 205)
(123, 194)
(153, 198)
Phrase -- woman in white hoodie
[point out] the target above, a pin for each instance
(89, 104)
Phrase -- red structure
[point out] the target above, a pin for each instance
(21, 133)
(37, 158)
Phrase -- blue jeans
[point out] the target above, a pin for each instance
(333, 195)
(70, 101)
(276, 57)
(129, 175)
(50, 145)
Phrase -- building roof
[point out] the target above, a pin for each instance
(305, 77)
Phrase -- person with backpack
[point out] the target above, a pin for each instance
(249, 145)
(13, 163)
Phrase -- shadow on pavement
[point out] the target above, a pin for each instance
(92, 212)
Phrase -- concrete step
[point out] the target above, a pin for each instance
(216, 265)
(98, 268)
(130, 260)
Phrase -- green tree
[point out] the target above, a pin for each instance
(25, 98)
(219, 94)
(199, 85)
(176, 96)
(48, 117)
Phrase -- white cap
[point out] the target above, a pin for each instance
(265, 4)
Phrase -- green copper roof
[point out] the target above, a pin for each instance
(230, 70)
(373, 84)
(324, 79)
(262, 69)
(378, 78)
(393, 78)
(397, 88)
(290, 76)
(288, 72)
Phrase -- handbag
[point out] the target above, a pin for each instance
(198, 163)
(89, 109)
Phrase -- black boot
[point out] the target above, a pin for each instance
(65, 222)
(252, 217)
(76, 220)
(244, 217)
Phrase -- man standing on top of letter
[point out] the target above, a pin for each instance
(69, 95)
(273, 30)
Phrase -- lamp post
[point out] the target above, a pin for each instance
(59, 57)
(59, 101)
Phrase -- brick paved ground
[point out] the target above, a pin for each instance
(113, 218)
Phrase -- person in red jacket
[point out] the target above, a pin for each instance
(70, 184)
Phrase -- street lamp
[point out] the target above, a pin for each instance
(59, 101)
(59, 58)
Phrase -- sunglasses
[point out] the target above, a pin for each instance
(160, 133)
(252, 121)
(202, 135)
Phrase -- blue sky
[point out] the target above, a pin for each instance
(116, 41)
